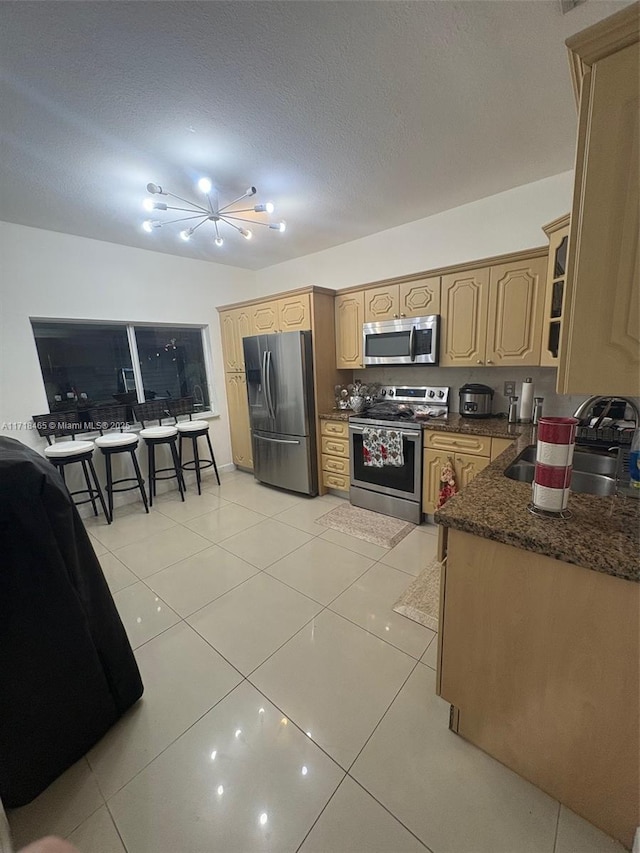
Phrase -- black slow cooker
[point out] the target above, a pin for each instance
(476, 401)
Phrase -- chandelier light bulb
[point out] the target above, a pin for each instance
(218, 241)
(154, 188)
(186, 234)
(264, 208)
(269, 207)
(246, 233)
(251, 191)
(147, 226)
(204, 185)
(278, 226)
(148, 204)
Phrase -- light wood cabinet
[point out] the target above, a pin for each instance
(408, 299)
(469, 454)
(264, 318)
(334, 437)
(600, 338)
(463, 322)
(516, 299)
(499, 445)
(294, 313)
(349, 308)
(234, 325)
(238, 404)
(558, 234)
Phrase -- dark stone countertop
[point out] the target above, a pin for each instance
(602, 533)
(336, 415)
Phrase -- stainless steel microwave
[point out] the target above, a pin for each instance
(410, 340)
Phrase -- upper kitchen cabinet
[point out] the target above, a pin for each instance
(558, 234)
(291, 314)
(516, 298)
(463, 325)
(234, 326)
(493, 315)
(600, 336)
(349, 308)
(407, 299)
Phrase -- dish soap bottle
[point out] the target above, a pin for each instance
(634, 460)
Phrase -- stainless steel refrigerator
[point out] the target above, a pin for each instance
(281, 410)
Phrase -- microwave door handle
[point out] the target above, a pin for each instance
(412, 344)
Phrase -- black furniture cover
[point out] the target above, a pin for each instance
(67, 672)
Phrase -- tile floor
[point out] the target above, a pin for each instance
(287, 707)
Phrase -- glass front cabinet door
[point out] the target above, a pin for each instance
(558, 234)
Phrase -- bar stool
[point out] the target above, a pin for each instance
(193, 430)
(154, 436)
(115, 418)
(61, 454)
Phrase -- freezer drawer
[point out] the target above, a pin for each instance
(287, 461)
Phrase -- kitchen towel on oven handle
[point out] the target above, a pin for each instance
(382, 447)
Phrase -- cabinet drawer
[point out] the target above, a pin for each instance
(335, 446)
(335, 464)
(331, 428)
(335, 481)
(455, 442)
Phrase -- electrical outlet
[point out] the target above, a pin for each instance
(509, 389)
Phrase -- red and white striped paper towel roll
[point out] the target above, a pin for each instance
(554, 455)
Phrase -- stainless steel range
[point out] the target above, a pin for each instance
(393, 489)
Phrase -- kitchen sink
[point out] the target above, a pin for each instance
(593, 472)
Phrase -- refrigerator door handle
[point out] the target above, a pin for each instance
(276, 440)
(263, 379)
(267, 370)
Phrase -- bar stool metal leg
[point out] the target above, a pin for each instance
(151, 460)
(92, 497)
(176, 465)
(213, 458)
(140, 480)
(107, 465)
(107, 514)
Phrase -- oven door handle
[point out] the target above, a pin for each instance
(412, 344)
(403, 433)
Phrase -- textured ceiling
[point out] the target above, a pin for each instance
(351, 116)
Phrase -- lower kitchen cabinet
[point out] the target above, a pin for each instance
(334, 436)
(470, 454)
(236, 385)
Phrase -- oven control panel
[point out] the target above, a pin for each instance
(428, 395)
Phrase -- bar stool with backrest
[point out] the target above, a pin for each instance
(157, 435)
(63, 453)
(117, 441)
(193, 430)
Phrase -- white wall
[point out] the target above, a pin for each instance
(502, 223)
(47, 274)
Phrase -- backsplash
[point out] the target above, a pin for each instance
(544, 383)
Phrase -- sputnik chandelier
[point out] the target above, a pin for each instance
(208, 211)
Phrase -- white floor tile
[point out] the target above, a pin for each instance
(97, 834)
(60, 808)
(265, 543)
(190, 584)
(225, 522)
(369, 601)
(128, 526)
(97, 546)
(162, 550)
(144, 615)
(193, 506)
(428, 527)
(238, 781)
(430, 657)
(413, 553)
(335, 681)
(576, 835)
(303, 515)
(367, 549)
(354, 822)
(320, 569)
(450, 794)
(249, 623)
(183, 678)
(117, 575)
(260, 498)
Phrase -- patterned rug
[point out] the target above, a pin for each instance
(421, 600)
(363, 524)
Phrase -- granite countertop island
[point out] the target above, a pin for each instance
(602, 533)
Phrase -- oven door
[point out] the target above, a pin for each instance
(403, 341)
(402, 482)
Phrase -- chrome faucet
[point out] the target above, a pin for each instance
(586, 407)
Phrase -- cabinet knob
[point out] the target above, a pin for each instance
(403, 315)
(489, 361)
(395, 316)
(479, 361)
